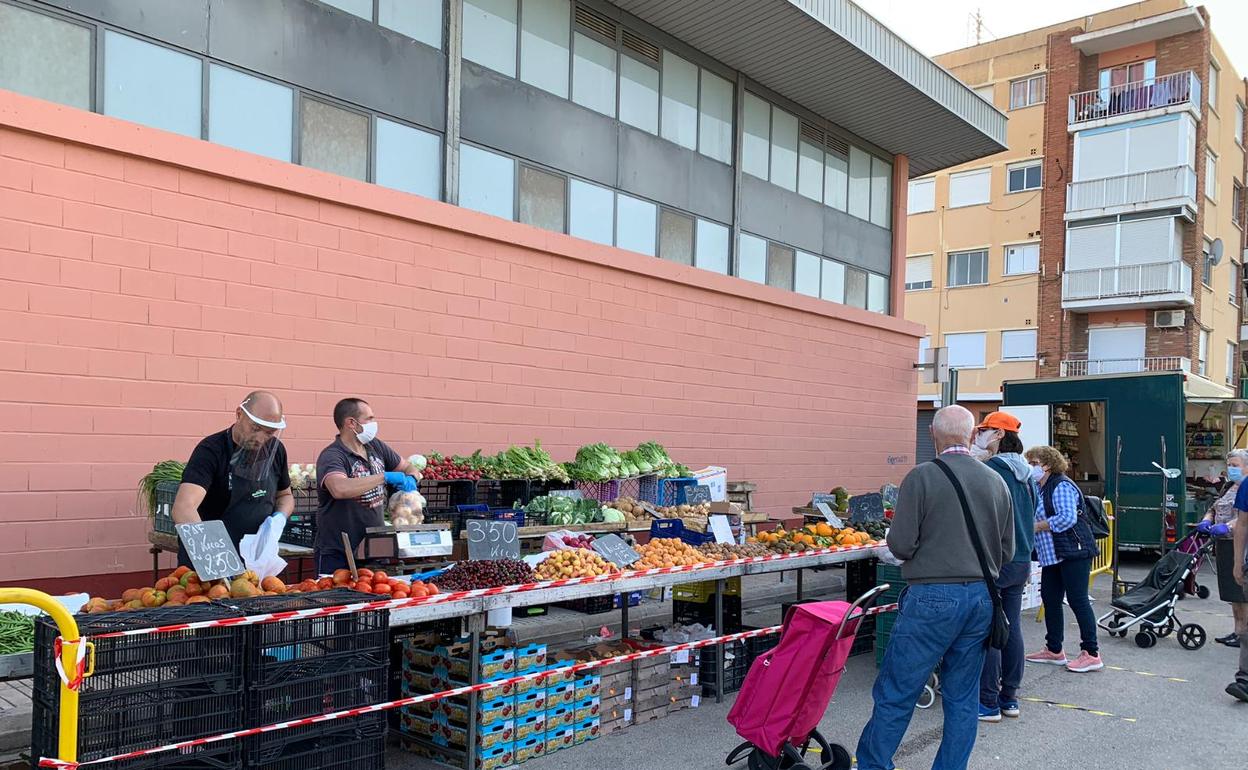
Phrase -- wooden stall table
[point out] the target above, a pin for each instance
(165, 542)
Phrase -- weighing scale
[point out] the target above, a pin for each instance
(414, 541)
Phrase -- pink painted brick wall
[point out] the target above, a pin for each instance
(140, 299)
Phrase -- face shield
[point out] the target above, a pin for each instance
(257, 444)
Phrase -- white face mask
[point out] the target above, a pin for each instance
(368, 432)
(984, 438)
(983, 455)
(1037, 473)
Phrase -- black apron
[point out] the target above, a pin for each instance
(252, 501)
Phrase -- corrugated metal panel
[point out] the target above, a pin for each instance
(924, 449)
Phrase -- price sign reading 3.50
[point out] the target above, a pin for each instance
(492, 540)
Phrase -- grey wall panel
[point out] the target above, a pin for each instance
(857, 242)
(182, 23)
(660, 170)
(332, 52)
(773, 212)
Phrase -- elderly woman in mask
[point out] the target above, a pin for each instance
(1218, 521)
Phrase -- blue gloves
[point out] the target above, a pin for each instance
(1219, 530)
(404, 482)
(1204, 526)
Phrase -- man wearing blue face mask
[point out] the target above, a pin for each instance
(353, 472)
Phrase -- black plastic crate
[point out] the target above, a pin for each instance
(736, 664)
(445, 495)
(353, 743)
(504, 493)
(859, 577)
(223, 755)
(322, 694)
(162, 516)
(757, 646)
(300, 526)
(591, 605)
(688, 613)
(206, 660)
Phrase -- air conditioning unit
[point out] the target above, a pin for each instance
(1170, 319)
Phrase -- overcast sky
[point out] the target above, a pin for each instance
(937, 27)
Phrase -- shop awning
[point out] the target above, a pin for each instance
(1197, 388)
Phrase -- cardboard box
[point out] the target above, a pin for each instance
(530, 725)
(491, 759)
(497, 734)
(587, 730)
(588, 687)
(531, 703)
(560, 717)
(454, 711)
(588, 708)
(561, 695)
(530, 657)
(716, 478)
(560, 739)
(530, 748)
(563, 674)
(454, 662)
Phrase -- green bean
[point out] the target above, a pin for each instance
(17, 632)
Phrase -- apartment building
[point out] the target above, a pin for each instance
(1108, 237)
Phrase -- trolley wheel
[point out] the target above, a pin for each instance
(1202, 592)
(1192, 636)
(1115, 623)
(1145, 639)
(1165, 629)
(841, 759)
(927, 699)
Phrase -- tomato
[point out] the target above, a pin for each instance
(341, 577)
(365, 573)
(325, 583)
(381, 588)
(419, 592)
(399, 595)
(364, 585)
(431, 589)
(378, 576)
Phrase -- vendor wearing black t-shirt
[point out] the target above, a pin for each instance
(352, 473)
(238, 476)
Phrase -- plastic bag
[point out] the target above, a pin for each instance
(406, 508)
(259, 551)
(563, 539)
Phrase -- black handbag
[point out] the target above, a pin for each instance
(999, 633)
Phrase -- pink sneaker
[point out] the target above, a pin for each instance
(1044, 656)
(1085, 662)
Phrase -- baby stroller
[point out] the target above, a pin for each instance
(1150, 604)
(787, 690)
(1199, 543)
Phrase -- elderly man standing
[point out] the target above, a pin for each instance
(946, 610)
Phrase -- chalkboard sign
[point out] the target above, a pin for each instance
(823, 497)
(699, 494)
(212, 552)
(834, 521)
(489, 540)
(615, 550)
(868, 507)
(650, 509)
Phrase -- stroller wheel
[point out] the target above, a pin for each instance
(927, 699)
(1202, 592)
(1145, 639)
(1165, 629)
(1114, 625)
(1192, 636)
(840, 759)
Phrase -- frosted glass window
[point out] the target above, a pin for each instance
(490, 34)
(592, 212)
(152, 85)
(810, 171)
(679, 121)
(420, 20)
(635, 225)
(1018, 345)
(756, 141)
(639, 95)
(712, 247)
(676, 237)
(855, 287)
(806, 274)
(333, 139)
(715, 118)
(859, 183)
(249, 113)
(832, 284)
(784, 149)
(966, 351)
(545, 29)
(45, 57)
(1023, 258)
(593, 75)
(877, 293)
(922, 196)
(881, 192)
(361, 8)
(543, 199)
(752, 258)
(779, 266)
(410, 160)
(486, 182)
(836, 181)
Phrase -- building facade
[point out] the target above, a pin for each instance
(1109, 236)
(498, 220)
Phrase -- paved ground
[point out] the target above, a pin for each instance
(1161, 708)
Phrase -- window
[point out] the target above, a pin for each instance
(489, 34)
(486, 181)
(639, 95)
(45, 57)
(711, 247)
(1230, 363)
(1018, 345)
(1026, 92)
(152, 85)
(361, 8)
(676, 237)
(715, 118)
(968, 268)
(1023, 258)
(921, 197)
(544, 33)
(859, 183)
(591, 212)
(420, 20)
(752, 258)
(784, 130)
(810, 170)
(333, 139)
(1206, 261)
(1213, 85)
(1202, 354)
(855, 287)
(409, 159)
(1023, 176)
(877, 293)
(1237, 201)
(756, 141)
(679, 119)
(1234, 289)
(881, 192)
(836, 181)
(636, 223)
(779, 266)
(832, 282)
(806, 274)
(984, 92)
(543, 199)
(1239, 122)
(249, 113)
(1211, 175)
(919, 273)
(966, 351)
(970, 188)
(593, 75)
(925, 344)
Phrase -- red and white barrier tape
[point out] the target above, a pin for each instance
(413, 700)
(394, 604)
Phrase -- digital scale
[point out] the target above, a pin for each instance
(417, 541)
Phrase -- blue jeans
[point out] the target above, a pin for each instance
(1003, 669)
(1068, 579)
(937, 623)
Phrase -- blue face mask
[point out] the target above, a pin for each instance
(1234, 473)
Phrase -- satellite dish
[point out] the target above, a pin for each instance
(1215, 251)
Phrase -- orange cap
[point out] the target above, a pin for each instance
(1000, 420)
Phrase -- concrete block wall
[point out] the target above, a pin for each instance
(147, 281)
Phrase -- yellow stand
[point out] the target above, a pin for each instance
(1104, 562)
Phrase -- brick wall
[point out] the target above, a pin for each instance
(147, 281)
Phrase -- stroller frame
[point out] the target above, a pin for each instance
(1157, 619)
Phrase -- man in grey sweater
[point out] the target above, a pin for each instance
(946, 610)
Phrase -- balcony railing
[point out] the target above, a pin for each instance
(1078, 365)
(1176, 89)
(1127, 282)
(1140, 188)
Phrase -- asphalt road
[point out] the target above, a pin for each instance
(1160, 708)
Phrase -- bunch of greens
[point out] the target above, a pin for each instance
(597, 462)
(165, 470)
(565, 511)
(525, 463)
(656, 458)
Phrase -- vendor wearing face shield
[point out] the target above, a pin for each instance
(353, 472)
(238, 476)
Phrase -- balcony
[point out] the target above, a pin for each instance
(1152, 285)
(1177, 92)
(1078, 365)
(1163, 188)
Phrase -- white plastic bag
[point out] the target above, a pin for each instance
(259, 551)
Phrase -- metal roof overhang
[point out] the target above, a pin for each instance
(836, 60)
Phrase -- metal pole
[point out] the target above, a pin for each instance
(799, 584)
(623, 616)
(1117, 514)
(476, 623)
(719, 648)
(454, 68)
(949, 391)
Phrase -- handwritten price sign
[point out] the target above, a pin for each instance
(211, 550)
(489, 540)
